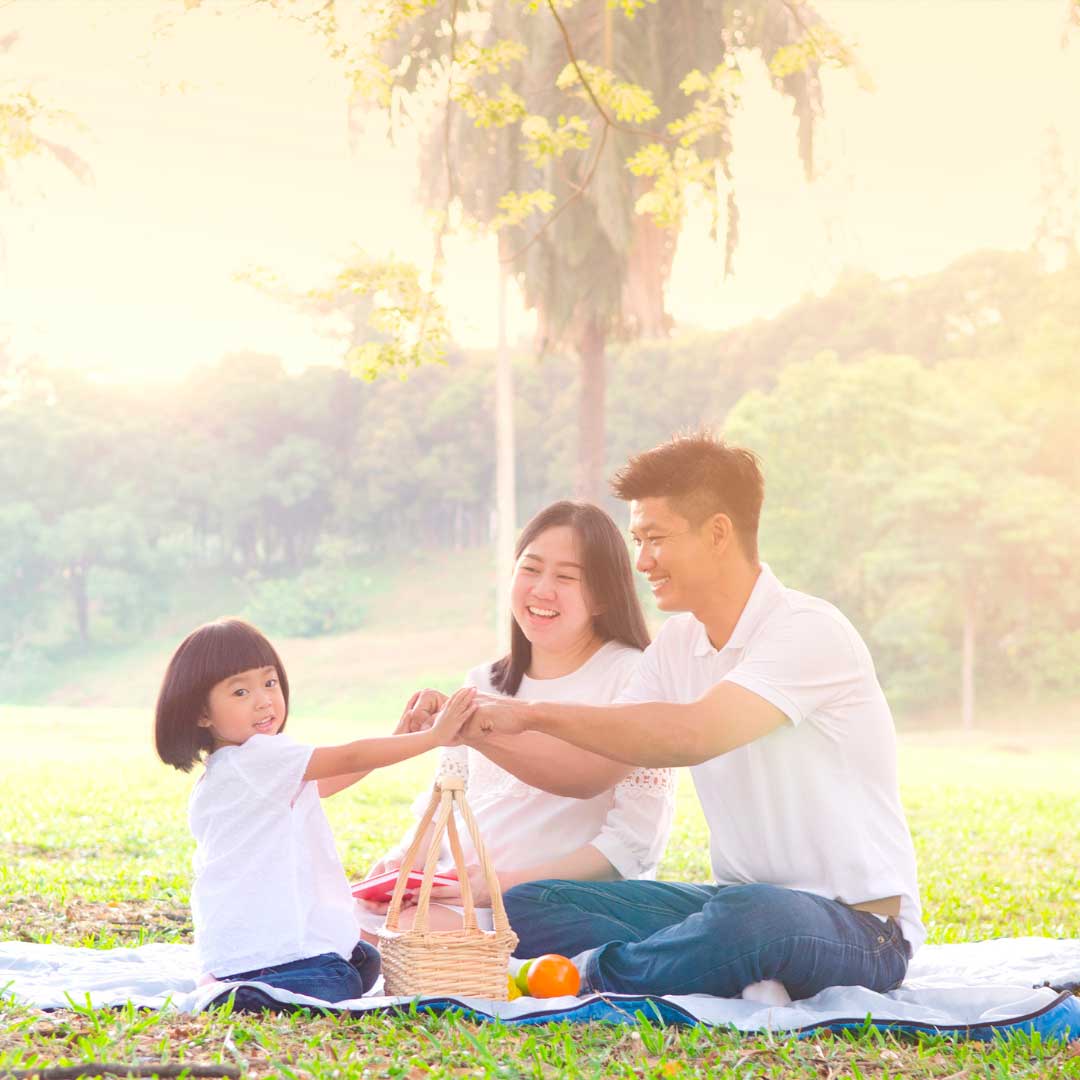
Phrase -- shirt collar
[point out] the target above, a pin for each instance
(758, 604)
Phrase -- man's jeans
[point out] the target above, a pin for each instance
(327, 977)
(662, 937)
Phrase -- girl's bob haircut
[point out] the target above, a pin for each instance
(607, 576)
(214, 652)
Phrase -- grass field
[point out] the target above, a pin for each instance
(94, 850)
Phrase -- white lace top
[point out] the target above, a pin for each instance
(522, 826)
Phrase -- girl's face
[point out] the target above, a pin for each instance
(548, 596)
(250, 703)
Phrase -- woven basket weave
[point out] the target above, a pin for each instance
(470, 961)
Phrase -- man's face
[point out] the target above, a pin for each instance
(675, 557)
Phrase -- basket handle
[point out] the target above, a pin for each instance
(393, 912)
(447, 792)
(498, 912)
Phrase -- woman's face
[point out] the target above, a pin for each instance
(548, 597)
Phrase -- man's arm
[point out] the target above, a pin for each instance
(655, 734)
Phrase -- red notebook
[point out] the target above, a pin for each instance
(381, 887)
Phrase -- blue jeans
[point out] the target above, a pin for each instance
(662, 937)
(327, 977)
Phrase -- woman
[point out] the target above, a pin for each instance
(577, 631)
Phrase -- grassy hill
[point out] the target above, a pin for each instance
(430, 617)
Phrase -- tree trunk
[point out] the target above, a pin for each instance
(505, 494)
(592, 434)
(967, 664)
(82, 602)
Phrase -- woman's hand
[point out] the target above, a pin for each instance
(451, 894)
(383, 866)
(422, 708)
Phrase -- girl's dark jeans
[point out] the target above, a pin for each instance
(327, 977)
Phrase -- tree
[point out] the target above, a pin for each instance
(606, 122)
(917, 498)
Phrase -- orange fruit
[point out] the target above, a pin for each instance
(553, 975)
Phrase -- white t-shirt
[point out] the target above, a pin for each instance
(522, 826)
(269, 885)
(813, 805)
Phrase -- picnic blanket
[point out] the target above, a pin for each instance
(974, 990)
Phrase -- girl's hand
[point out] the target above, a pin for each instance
(454, 715)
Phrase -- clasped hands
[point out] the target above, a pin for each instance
(492, 715)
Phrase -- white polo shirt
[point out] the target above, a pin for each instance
(813, 805)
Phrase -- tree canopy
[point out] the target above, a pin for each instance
(916, 436)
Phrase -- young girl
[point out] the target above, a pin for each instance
(270, 900)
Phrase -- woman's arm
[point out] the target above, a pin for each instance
(635, 828)
(584, 864)
(551, 764)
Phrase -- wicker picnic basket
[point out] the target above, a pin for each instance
(470, 961)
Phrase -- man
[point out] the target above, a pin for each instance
(770, 697)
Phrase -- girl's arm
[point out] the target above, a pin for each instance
(363, 755)
(331, 785)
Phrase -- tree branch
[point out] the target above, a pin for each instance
(578, 193)
(639, 133)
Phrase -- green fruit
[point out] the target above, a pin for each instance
(522, 978)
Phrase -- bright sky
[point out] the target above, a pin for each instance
(250, 163)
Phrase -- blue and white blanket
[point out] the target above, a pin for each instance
(975, 990)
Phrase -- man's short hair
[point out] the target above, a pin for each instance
(700, 475)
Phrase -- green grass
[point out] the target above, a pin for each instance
(94, 850)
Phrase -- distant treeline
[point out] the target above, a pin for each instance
(918, 439)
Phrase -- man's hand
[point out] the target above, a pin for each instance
(497, 716)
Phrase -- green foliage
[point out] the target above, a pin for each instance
(929, 453)
(819, 45)
(543, 142)
(586, 84)
(627, 102)
(330, 598)
(516, 206)
(393, 320)
(504, 107)
(915, 498)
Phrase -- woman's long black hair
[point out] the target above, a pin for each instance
(607, 575)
